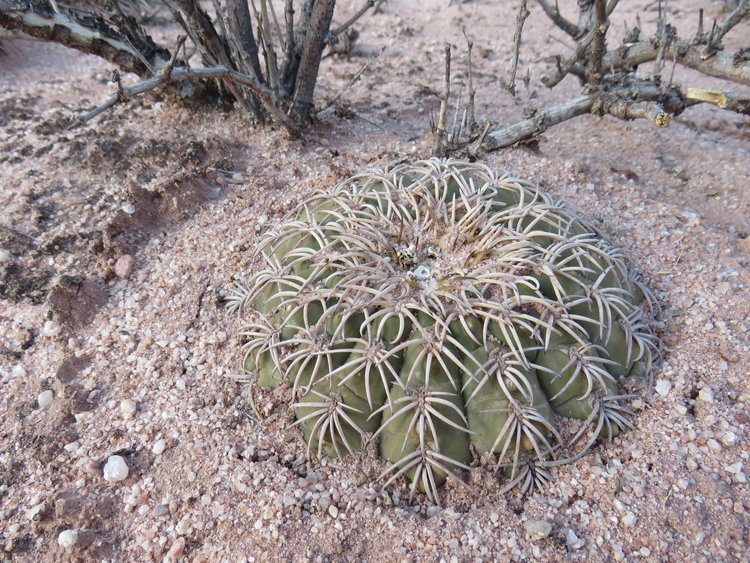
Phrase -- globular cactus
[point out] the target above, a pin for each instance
(450, 312)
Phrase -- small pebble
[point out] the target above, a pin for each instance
(662, 387)
(629, 519)
(5, 256)
(537, 529)
(183, 526)
(159, 447)
(333, 511)
(51, 329)
(706, 395)
(176, 551)
(35, 512)
(734, 468)
(124, 266)
(127, 408)
(161, 510)
(128, 208)
(236, 178)
(728, 438)
(67, 538)
(45, 399)
(573, 541)
(115, 469)
(18, 371)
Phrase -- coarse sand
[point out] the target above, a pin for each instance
(118, 241)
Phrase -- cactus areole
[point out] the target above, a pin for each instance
(448, 312)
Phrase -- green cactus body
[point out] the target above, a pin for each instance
(443, 308)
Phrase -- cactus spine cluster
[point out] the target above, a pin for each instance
(447, 311)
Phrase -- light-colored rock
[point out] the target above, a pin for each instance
(537, 529)
(663, 387)
(128, 408)
(67, 538)
(706, 395)
(159, 446)
(124, 266)
(115, 469)
(5, 256)
(35, 512)
(176, 551)
(734, 468)
(45, 399)
(183, 526)
(51, 329)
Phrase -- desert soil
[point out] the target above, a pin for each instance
(119, 240)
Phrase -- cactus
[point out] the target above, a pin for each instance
(450, 312)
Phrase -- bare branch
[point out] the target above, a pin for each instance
(521, 16)
(564, 67)
(720, 65)
(439, 147)
(241, 31)
(532, 127)
(554, 14)
(202, 31)
(738, 14)
(472, 125)
(96, 38)
(626, 102)
(352, 20)
(264, 94)
(628, 110)
(725, 100)
(598, 46)
(307, 74)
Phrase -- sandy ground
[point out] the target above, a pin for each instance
(119, 239)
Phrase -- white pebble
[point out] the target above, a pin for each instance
(18, 371)
(35, 512)
(51, 329)
(45, 399)
(67, 538)
(728, 438)
(128, 208)
(183, 526)
(573, 541)
(127, 408)
(629, 520)
(333, 511)
(5, 256)
(706, 395)
(115, 469)
(662, 387)
(159, 447)
(236, 178)
(537, 529)
(734, 468)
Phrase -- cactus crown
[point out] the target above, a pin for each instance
(444, 308)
